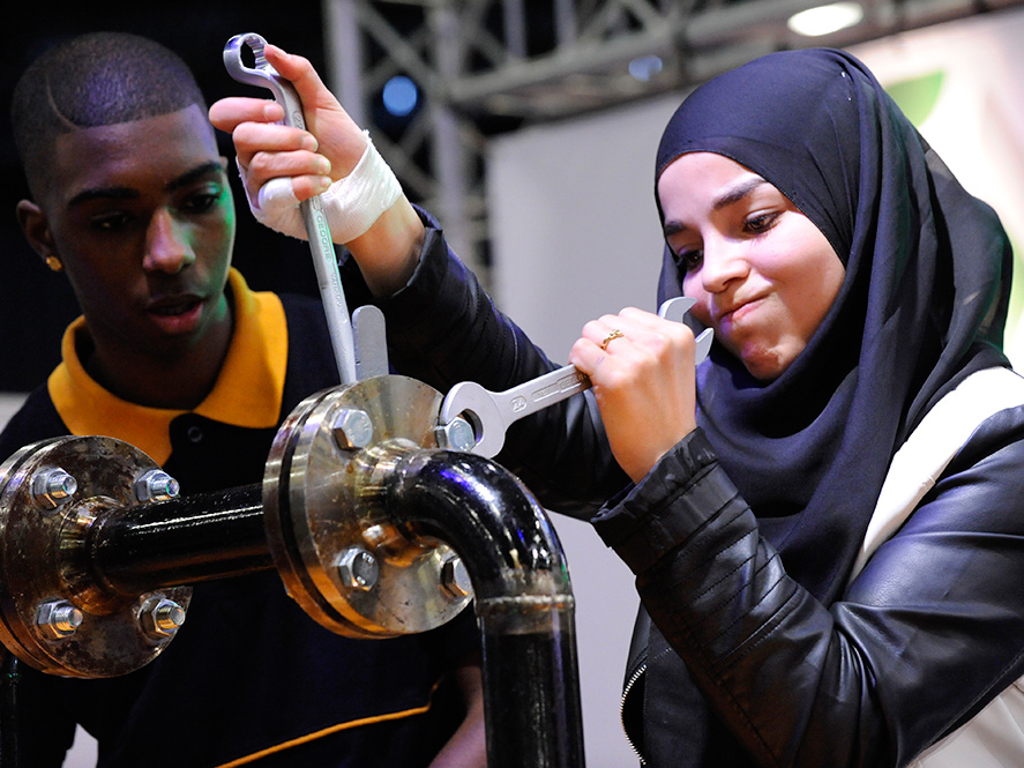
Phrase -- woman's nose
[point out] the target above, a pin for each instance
(167, 245)
(723, 262)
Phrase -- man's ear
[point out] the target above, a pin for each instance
(36, 226)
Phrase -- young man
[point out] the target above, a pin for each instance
(175, 355)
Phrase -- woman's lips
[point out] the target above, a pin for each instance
(743, 309)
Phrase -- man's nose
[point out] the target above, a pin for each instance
(167, 245)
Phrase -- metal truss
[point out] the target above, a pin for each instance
(484, 66)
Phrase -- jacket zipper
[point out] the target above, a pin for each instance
(637, 674)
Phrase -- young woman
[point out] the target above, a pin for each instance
(823, 518)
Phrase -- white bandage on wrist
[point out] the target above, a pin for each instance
(354, 203)
(351, 205)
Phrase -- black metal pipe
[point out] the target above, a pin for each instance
(523, 599)
(181, 541)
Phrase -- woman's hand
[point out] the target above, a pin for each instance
(644, 382)
(312, 159)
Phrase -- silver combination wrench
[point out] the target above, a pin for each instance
(490, 414)
(360, 354)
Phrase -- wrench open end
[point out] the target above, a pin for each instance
(477, 405)
(674, 310)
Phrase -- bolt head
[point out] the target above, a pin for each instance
(455, 578)
(457, 435)
(161, 618)
(156, 485)
(58, 619)
(352, 429)
(53, 486)
(358, 569)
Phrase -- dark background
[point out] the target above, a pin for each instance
(35, 303)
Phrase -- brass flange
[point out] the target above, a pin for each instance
(340, 558)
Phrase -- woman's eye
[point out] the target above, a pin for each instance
(761, 222)
(689, 260)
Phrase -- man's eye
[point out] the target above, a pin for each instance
(110, 221)
(203, 202)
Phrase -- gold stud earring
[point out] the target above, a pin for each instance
(54, 263)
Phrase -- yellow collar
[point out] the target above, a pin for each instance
(247, 393)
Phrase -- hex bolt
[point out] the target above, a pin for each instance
(53, 486)
(161, 617)
(358, 569)
(352, 429)
(454, 577)
(457, 435)
(156, 485)
(58, 619)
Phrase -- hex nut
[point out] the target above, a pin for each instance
(352, 429)
(58, 619)
(53, 486)
(161, 618)
(358, 569)
(156, 485)
(455, 579)
(457, 434)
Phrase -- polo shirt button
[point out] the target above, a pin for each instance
(194, 434)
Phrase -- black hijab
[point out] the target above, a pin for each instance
(922, 304)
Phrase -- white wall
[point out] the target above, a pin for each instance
(9, 403)
(573, 221)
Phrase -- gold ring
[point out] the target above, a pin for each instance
(615, 333)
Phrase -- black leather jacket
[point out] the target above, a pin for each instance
(924, 637)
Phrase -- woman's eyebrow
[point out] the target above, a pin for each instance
(738, 192)
(730, 196)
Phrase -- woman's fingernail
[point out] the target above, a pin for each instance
(309, 142)
(322, 184)
(323, 165)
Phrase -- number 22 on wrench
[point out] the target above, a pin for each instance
(491, 413)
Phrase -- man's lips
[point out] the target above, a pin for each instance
(172, 306)
(175, 315)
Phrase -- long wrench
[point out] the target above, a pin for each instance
(491, 413)
(325, 262)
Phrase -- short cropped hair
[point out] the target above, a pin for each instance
(97, 79)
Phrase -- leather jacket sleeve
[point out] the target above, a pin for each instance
(927, 634)
(443, 328)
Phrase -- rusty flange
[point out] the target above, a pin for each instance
(54, 614)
